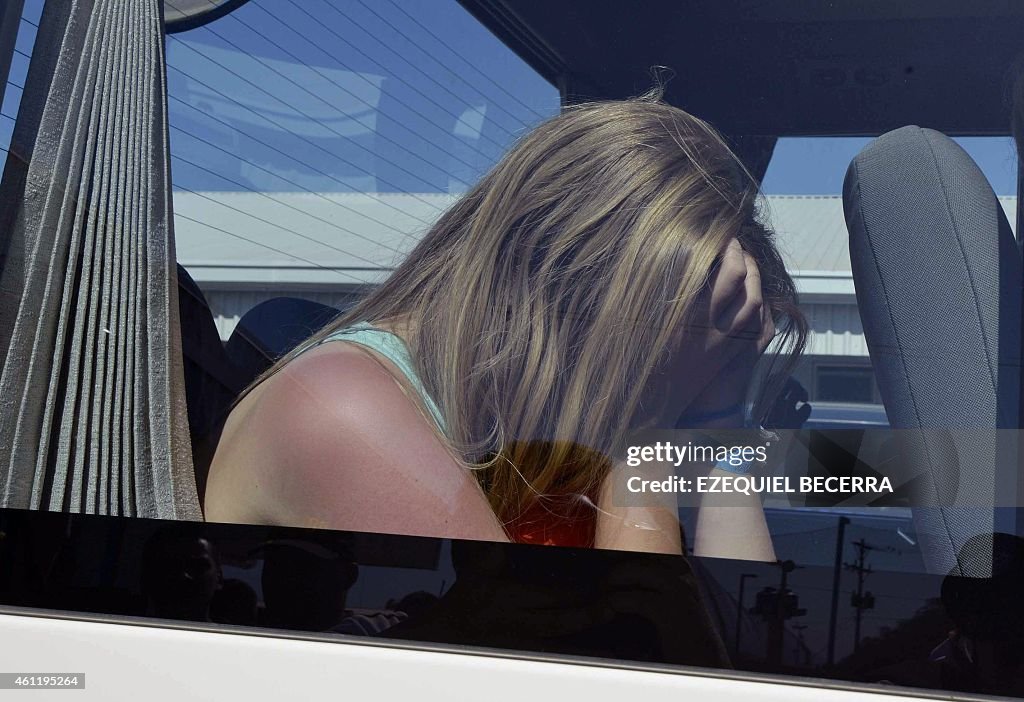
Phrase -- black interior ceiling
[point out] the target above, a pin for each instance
(781, 67)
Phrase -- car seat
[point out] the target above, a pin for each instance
(271, 329)
(938, 282)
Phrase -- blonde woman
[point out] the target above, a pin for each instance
(608, 275)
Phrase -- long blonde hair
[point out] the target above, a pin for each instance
(544, 300)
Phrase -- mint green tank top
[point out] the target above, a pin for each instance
(391, 347)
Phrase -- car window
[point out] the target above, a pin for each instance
(314, 145)
(817, 165)
(17, 73)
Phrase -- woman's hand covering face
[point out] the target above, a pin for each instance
(731, 328)
(737, 310)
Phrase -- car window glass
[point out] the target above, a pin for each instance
(313, 144)
(17, 73)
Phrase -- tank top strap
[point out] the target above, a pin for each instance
(391, 347)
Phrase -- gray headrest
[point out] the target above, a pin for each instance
(938, 282)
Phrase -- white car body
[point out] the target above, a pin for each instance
(141, 660)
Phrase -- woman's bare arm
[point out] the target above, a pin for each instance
(650, 527)
(332, 441)
(732, 525)
(728, 525)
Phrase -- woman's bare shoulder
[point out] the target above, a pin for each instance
(332, 440)
(336, 385)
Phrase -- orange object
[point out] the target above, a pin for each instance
(555, 521)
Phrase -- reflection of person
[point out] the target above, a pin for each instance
(235, 603)
(305, 583)
(305, 586)
(630, 606)
(180, 573)
(608, 275)
(985, 651)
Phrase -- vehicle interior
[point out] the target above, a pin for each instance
(922, 218)
(936, 263)
(935, 266)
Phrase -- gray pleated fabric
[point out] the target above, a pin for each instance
(92, 404)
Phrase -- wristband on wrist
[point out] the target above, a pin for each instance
(731, 466)
(742, 469)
